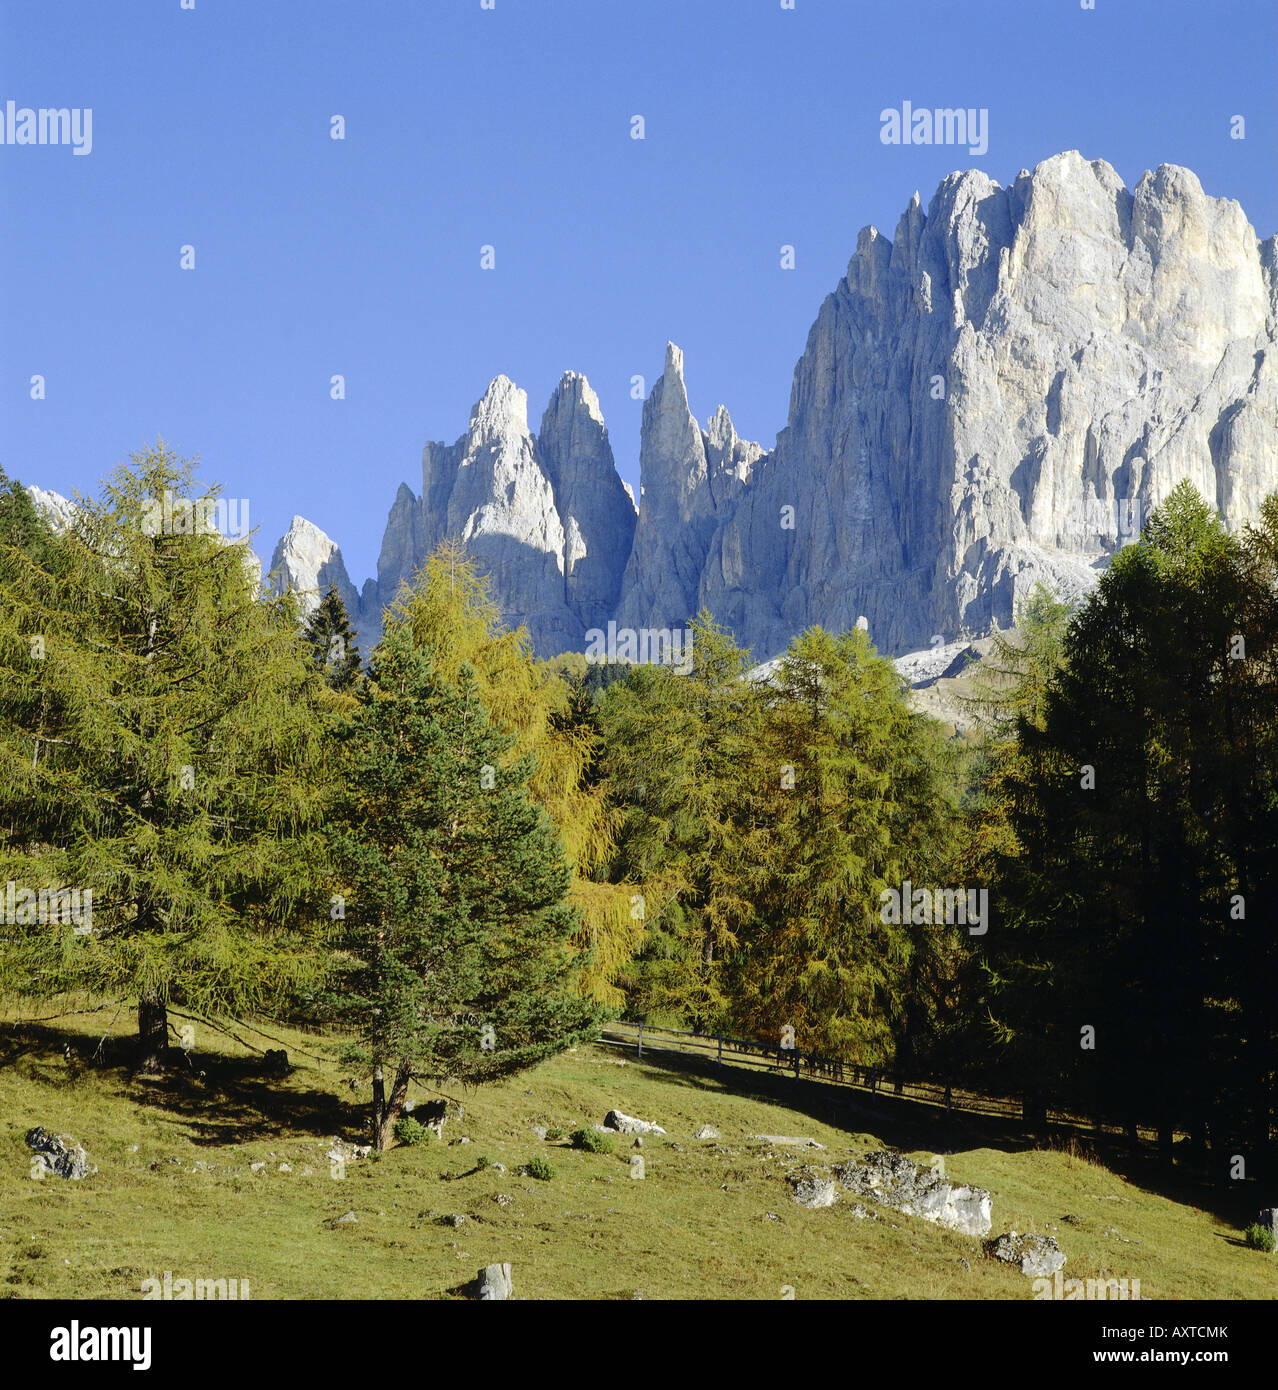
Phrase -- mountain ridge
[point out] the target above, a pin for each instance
(997, 395)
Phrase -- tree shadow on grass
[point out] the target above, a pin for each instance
(220, 1098)
(913, 1126)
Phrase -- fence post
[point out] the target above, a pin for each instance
(641, 1037)
(949, 1099)
(796, 1063)
(721, 1049)
(874, 1076)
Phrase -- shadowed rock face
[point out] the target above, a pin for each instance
(998, 395)
(547, 517)
(596, 513)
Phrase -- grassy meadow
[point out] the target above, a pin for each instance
(176, 1188)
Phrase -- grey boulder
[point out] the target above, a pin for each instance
(58, 1155)
(627, 1124)
(813, 1192)
(894, 1181)
(1039, 1257)
(494, 1283)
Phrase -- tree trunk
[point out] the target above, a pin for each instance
(1133, 1137)
(380, 1128)
(1033, 1112)
(387, 1111)
(1204, 1147)
(1165, 1144)
(153, 1033)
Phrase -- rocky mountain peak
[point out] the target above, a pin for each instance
(307, 561)
(500, 413)
(998, 394)
(55, 509)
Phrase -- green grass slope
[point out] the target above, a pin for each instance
(175, 1190)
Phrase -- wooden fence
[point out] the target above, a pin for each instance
(872, 1080)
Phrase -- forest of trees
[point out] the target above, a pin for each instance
(464, 858)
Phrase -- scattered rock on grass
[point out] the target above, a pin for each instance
(275, 1062)
(891, 1179)
(58, 1155)
(814, 1192)
(627, 1124)
(707, 1132)
(789, 1141)
(494, 1283)
(1039, 1257)
(339, 1151)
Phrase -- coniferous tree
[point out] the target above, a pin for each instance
(449, 609)
(1144, 822)
(160, 747)
(1250, 803)
(862, 800)
(1009, 703)
(331, 638)
(682, 761)
(457, 927)
(21, 526)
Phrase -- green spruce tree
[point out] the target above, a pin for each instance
(1121, 972)
(331, 638)
(21, 526)
(457, 928)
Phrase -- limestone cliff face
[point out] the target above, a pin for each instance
(307, 562)
(678, 515)
(56, 510)
(998, 394)
(547, 518)
(595, 510)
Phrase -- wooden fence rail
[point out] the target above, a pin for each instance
(750, 1053)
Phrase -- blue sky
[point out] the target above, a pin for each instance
(511, 127)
